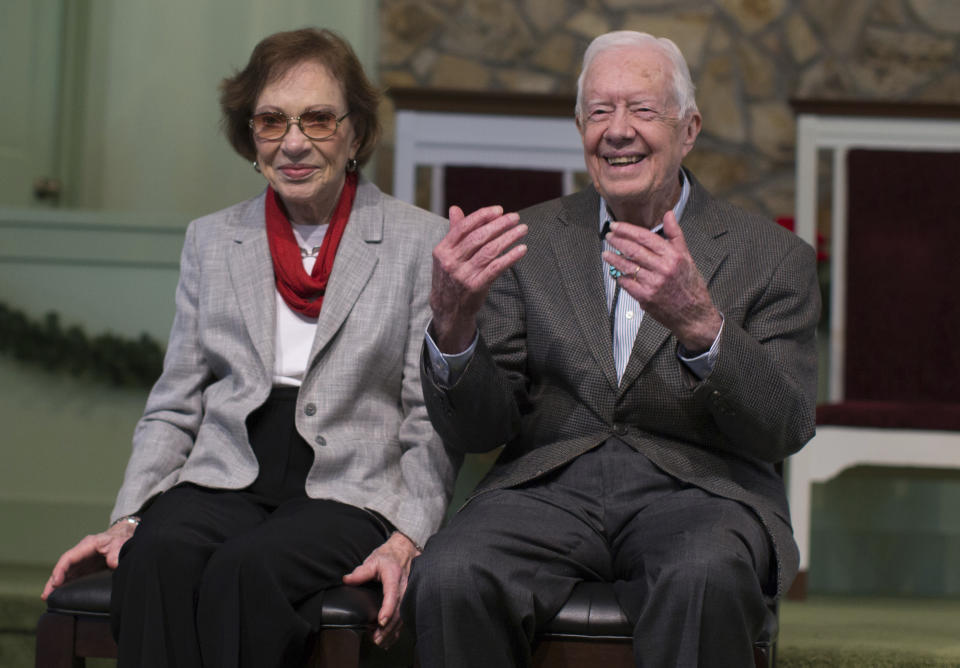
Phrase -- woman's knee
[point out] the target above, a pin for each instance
(236, 561)
(163, 550)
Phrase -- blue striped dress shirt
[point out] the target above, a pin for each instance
(629, 314)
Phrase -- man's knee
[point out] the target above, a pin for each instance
(716, 571)
(725, 577)
(721, 567)
(452, 572)
(443, 568)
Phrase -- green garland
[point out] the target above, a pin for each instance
(107, 357)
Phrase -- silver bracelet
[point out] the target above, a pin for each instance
(130, 519)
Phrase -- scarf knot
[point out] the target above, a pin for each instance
(301, 291)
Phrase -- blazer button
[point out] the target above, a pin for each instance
(321, 441)
(310, 409)
(721, 404)
(620, 428)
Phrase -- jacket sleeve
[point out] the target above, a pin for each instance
(165, 434)
(761, 393)
(482, 409)
(427, 467)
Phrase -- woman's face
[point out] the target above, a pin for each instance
(308, 174)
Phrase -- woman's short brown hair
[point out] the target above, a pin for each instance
(272, 58)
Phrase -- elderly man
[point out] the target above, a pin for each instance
(645, 354)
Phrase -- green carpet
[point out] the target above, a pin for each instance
(823, 631)
(18, 619)
(869, 632)
(20, 607)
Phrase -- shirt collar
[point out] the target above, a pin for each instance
(606, 217)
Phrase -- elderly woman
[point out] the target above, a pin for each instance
(285, 448)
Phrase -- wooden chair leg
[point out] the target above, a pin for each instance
(338, 648)
(93, 638)
(571, 653)
(763, 656)
(55, 638)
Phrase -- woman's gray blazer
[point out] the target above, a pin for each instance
(360, 406)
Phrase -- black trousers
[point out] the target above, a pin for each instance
(214, 577)
(687, 566)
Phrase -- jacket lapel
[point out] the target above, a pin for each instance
(700, 232)
(577, 249)
(251, 273)
(353, 266)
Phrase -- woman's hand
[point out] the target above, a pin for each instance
(390, 565)
(89, 555)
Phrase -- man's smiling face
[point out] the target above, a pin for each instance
(633, 138)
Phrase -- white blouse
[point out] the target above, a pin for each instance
(295, 331)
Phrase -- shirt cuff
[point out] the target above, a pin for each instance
(702, 364)
(448, 368)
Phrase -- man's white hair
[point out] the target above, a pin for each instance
(682, 83)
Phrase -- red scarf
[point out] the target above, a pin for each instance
(304, 293)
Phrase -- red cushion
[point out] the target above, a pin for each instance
(891, 414)
(903, 273)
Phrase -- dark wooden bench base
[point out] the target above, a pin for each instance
(590, 630)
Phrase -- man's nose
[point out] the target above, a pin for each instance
(621, 124)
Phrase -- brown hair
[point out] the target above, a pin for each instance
(272, 58)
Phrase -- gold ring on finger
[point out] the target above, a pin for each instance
(635, 274)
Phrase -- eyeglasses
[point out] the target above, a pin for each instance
(273, 125)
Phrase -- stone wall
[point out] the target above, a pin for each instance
(747, 57)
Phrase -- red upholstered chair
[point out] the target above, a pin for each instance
(894, 314)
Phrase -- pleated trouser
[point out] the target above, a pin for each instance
(214, 578)
(687, 566)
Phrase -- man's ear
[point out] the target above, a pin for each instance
(690, 131)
